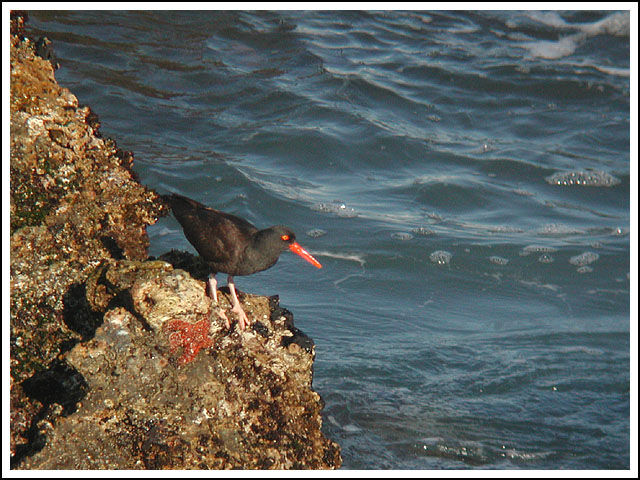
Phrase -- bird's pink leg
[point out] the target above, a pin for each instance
(213, 287)
(213, 291)
(243, 320)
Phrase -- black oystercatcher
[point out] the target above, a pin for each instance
(231, 245)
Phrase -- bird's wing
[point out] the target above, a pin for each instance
(217, 236)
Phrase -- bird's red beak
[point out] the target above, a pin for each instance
(297, 249)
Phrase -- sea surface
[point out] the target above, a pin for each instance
(464, 178)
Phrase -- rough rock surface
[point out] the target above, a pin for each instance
(114, 361)
(168, 388)
(67, 215)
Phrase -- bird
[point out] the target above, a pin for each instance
(232, 245)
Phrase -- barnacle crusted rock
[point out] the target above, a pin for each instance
(243, 400)
(74, 203)
(114, 362)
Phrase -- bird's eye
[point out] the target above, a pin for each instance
(285, 238)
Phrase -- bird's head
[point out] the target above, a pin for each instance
(287, 240)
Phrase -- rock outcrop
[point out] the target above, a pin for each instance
(115, 362)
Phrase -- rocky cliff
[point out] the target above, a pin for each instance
(115, 361)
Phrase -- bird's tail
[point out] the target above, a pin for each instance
(179, 203)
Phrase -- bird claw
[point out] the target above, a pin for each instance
(243, 320)
(220, 313)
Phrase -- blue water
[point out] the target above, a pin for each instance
(474, 306)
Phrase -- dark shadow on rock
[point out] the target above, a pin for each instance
(112, 247)
(124, 299)
(260, 329)
(193, 264)
(305, 342)
(44, 49)
(36, 440)
(81, 307)
(60, 383)
(93, 120)
(78, 314)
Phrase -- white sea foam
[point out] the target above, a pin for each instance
(337, 208)
(548, 286)
(403, 236)
(594, 178)
(423, 231)
(441, 257)
(621, 72)
(584, 269)
(558, 229)
(553, 50)
(529, 249)
(617, 24)
(583, 259)
(316, 232)
(498, 260)
(546, 258)
(342, 256)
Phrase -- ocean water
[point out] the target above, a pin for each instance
(463, 176)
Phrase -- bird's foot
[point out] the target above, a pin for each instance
(219, 312)
(243, 320)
